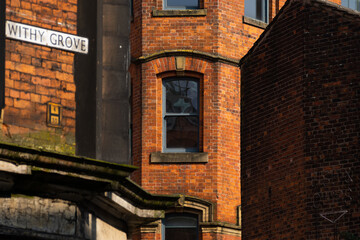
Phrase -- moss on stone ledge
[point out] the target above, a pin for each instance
(43, 140)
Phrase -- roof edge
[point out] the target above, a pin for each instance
(288, 3)
(38, 158)
(264, 33)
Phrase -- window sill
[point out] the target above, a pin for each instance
(158, 157)
(254, 22)
(180, 13)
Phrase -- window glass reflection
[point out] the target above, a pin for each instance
(353, 4)
(256, 9)
(181, 114)
(181, 96)
(182, 132)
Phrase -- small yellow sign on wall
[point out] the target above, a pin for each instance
(54, 115)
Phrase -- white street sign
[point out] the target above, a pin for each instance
(46, 37)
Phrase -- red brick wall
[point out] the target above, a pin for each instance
(36, 75)
(300, 126)
(272, 179)
(146, 236)
(211, 236)
(332, 120)
(221, 33)
(219, 179)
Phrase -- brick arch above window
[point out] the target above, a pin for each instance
(194, 60)
(180, 66)
(194, 205)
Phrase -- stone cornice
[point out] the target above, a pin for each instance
(44, 159)
(80, 176)
(180, 13)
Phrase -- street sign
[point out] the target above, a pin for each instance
(46, 37)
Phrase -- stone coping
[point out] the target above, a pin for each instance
(77, 164)
(180, 13)
(255, 22)
(221, 228)
(193, 157)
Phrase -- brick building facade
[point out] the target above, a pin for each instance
(175, 73)
(300, 125)
(36, 75)
(54, 59)
(204, 45)
(86, 85)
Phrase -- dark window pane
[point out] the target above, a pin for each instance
(183, 226)
(182, 4)
(181, 234)
(181, 220)
(181, 96)
(182, 132)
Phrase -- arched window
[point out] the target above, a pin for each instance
(180, 226)
(180, 114)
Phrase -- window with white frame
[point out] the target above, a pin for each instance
(257, 9)
(180, 226)
(353, 4)
(180, 114)
(181, 4)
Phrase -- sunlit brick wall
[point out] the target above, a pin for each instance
(37, 75)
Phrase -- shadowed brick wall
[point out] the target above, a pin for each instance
(272, 123)
(332, 120)
(300, 126)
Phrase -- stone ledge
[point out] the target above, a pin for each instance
(255, 22)
(221, 228)
(158, 157)
(180, 13)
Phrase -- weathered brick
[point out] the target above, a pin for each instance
(31, 70)
(18, 103)
(35, 97)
